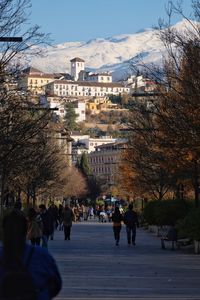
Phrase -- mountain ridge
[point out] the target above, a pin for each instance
(106, 54)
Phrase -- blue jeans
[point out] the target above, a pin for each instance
(131, 234)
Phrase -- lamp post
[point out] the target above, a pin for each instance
(11, 39)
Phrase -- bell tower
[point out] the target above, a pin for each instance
(77, 65)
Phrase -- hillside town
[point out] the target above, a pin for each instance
(90, 95)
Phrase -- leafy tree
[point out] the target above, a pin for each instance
(84, 165)
(20, 120)
(165, 134)
(70, 116)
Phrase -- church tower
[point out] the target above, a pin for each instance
(77, 65)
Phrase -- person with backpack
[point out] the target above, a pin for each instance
(117, 225)
(26, 272)
(131, 221)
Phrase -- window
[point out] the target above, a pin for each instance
(35, 81)
(101, 78)
(108, 78)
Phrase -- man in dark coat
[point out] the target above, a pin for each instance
(48, 224)
(68, 217)
(131, 221)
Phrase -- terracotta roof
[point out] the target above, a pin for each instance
(116, 145)
(31, 70)
(100, 74)
(63, 81)
(77, 59)
(90, 84)
(42, 75)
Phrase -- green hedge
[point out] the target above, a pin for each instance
(190, 225)
(166, 212)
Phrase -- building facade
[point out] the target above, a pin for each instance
(85, 88)
(59, 104)
(104, 161)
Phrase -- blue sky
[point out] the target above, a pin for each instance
(82, 20)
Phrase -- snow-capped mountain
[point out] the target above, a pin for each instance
(110, 54)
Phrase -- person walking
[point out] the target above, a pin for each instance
(35, 227)
(131, 221)
(67, 221)
(42, 280)
(48, 224)
(60, 217)
(53, 211)
(117, 219)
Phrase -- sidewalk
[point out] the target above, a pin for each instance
(92, 267)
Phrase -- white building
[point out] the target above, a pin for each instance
(92, 143)
(80, 108)
(100, 77)
(140, 83)
(65, 88)
(59, 105)
(77, 65)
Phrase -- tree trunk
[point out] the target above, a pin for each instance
(196, 184)
(34, 197)
(28, 197)
(2, 189)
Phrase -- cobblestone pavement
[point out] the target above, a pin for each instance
(92, 267)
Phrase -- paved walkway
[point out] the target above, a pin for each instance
(92, 267)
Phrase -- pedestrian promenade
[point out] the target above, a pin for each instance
(92, 267)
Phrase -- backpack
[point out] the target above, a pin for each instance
(17, 284)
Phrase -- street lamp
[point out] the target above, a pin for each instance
(11, 39)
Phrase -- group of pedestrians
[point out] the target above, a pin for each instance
(43, 222)
(130, 219)
(41, 225)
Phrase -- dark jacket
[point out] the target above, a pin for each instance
(117, 218)
(131, 218)
(68, 216)
(48, 223)
(43, 270)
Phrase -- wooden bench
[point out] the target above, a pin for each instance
(183, 242)
(169, 236)
(175, 243)
(165, 239)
